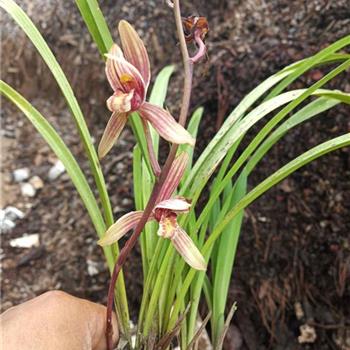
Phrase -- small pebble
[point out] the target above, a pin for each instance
(36, 182)
(8, 216)
(118, 209)
(21, 174)
(6, 225)
(126, 202)
(56, 170)
(27, 189)
(92, 267)
(307, 334)
(26, 241)
(298, 309)
(13, 213)
(263, 219)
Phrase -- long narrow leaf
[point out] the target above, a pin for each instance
(225, 259)
(315, 108)
(38, 41)
(64, 154)
(306, 65)
(279, 175)
(293, 98)
(219, 145)
(94, 19)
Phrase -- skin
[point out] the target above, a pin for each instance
(55, 321)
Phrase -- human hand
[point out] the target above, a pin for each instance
(55, 321)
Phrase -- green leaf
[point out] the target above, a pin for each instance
(64, 154)
(338, 95)
(160, 86)
(38, 41)
(255, 115)
(276, 177)
(279, 175)
(293, 98)
(304, 66)
(227, 246)
(314, 108)
(95, 21)
(219, 145)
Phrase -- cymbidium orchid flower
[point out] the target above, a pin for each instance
(196, 28)
(128, 72)
(165, 212)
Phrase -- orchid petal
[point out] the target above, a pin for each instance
(123, 76)
(124, 224)
(150, 147)
(177, 205)
(175, 175)
(188, 250)
(113, 129)
(165, 124)
(120, 102)
(134, 50)
(114, 52)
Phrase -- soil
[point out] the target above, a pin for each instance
(293, 263)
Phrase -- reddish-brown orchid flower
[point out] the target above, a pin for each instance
(165, 212)
(128, 72)
(196, 28)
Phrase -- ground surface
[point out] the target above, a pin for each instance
(294, 251)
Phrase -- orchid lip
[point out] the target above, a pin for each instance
(120, 102)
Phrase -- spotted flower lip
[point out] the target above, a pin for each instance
(165, 212)
(128, 73)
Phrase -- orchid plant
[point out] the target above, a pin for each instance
(177, 249)
(165, 212)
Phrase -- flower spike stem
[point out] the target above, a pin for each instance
(188, 71)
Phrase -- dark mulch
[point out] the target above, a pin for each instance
(294, 252)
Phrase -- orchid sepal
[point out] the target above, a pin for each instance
(110, 135)
(124, 224)
(188, 250)
(176, 172)
(165, 124)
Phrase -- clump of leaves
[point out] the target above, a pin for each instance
(209, 237)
